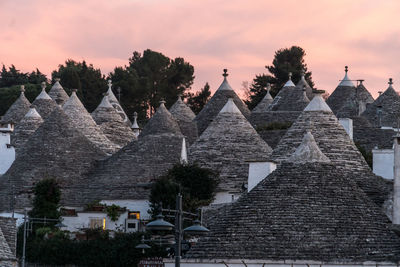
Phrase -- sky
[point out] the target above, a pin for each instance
(241, 36)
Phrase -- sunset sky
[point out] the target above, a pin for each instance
(239, 35)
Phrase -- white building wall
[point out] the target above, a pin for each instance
(257, 172)
(382, 162)
(7, 152)
(132, 205)
(82, 221)
(347, 125)
(225, 197)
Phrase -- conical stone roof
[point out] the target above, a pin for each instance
(112, 124)
(385, 110)
(18, 109)
(216, 103)
(57, 93)
(304, 84)
(25, 128)
(289, 98)
(346, 100)
(185, 118)
(6, 253)
(128, 174)
(44, 104)
(263, 105)
(55, 150)
(335, 143)
(115, 103)
(307, 211)
(82, 120)
(225, 146)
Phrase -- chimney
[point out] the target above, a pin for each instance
(396, 178)
(347, 125)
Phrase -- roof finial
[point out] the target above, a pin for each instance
(302, 73)
(225, 73)
(22, 88)
(390, 81)
(268, 87)
(290, 75)
(162, 102)
(135, 127)
(57, 80)
(184, 156)
(109, 84)
(74, 90)
(346, 69)
(43, 85)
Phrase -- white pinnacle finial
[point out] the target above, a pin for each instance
(289, 83)
(390, 82)
(346, 81)
(109, 84)
(290, 76)
(135, 126)
(43, 85)
(162, 102)
(57, 80)
(302, 73)
(184, 157)
(22, 89)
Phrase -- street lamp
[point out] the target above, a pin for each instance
(160, 224)
(142, 245)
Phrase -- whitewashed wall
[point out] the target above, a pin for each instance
(382, 162)
(347, 125)
(82, 220)
(7, 153)
(257, 172)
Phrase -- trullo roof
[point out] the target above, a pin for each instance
(82, 120)
(18, 109)
(25, 128)
(384, 111)
(115, 103)
(335, 143)
(112, 124)
(225, 146)
(43, 103)
(185, 116)
(215, 104)
(55, 150)
(129, 173)
(57, 93)
(305, 210)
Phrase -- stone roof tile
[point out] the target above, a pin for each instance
(185, 116)
(57, 93)
(225, 146)
(18, 109)
(25, 128)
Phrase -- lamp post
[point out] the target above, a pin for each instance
(161, 225)
(35, 220)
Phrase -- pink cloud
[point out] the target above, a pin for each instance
(211, 35)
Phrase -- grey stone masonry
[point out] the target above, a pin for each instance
(57, 93)
(385, 110)
(9, 228)
(185, 118)
(263, 105)
(302, 212)
(112, 124)
(84, 122)
(304, 84)
(17, 110)
(25, 128)
(44, 104)
(289, 98)
(225, 146)
(128, 174)
(335, 143)
(369, 136)
(215, 104)
(55, 150)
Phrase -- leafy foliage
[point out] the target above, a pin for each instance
(13, 76)
(149, 78)
(197, 186)
(46, 200)
(8, 95)
(98, 250)
(286, 60)
(196, 101)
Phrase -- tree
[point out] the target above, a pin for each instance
(196, 101)
(285, 60)
(46, 200)
(196, 184)
(149, 78)
(8, 95)
(89, 81)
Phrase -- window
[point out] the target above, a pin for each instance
(134, 215)
(132, 225)
(96, 223)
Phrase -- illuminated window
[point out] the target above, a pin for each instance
(96, 223)
(134, 215)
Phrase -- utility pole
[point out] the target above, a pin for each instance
(178, 231)
(24, 244)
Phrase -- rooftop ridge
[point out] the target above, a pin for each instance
(225, 85)
(308, 151)
(43, 94)
(289, 83)
(57, 92)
